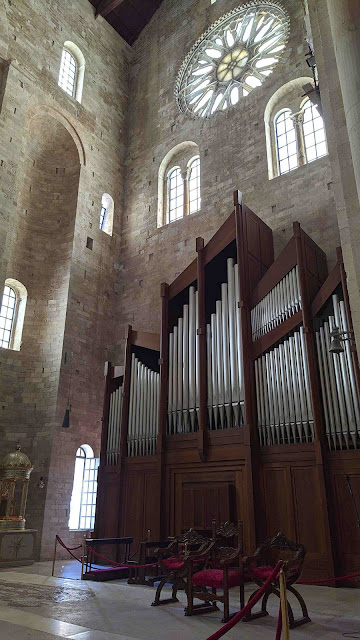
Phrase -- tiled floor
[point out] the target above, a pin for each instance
(35, 606)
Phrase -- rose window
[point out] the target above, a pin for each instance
(233, 57)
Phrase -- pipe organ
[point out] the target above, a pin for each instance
(143, 409)
(238, 407)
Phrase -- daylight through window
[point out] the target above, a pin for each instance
(7, 315)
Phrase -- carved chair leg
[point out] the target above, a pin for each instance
(157, 600)
(242, 596)
(305, 618)
(226, 606)
(258, 614)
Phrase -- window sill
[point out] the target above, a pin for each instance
(324, 160)
(176, 222)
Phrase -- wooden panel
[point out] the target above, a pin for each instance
(348, 533)
(309, 527)
(140, 508)
(276, 499)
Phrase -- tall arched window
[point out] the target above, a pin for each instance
(12, 313)
(7, 316)
(72, 69)
(175, 194)
(314, 132)
(194, 185)
(286, 145)
(83, 497)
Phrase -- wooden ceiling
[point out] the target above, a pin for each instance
(128, 17)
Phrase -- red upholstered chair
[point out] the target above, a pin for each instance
(259, 566)
(172, 564)
(223, 571)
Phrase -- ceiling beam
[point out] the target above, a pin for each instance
(105, 7)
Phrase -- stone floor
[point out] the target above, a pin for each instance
(35, 606)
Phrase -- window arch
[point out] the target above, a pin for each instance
(83, 497)
(286, 143)
(12, 313)
(106, 220)
(72, 69)
(179, 191)
(294, 128)
(313, 131)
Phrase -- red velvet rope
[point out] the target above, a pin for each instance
(279, 625)
(354, 575)
(68, 549)
(240, 614)
(122, 566)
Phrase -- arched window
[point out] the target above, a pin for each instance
(194, 185)
(7, 316)
(314, 132)
(175, 194)
(83, 497)
(72, 69)
(106, 214)
(12, 314)
(286, 144)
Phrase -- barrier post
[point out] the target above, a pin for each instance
(284, 608)
(54, 557)
(83, 557)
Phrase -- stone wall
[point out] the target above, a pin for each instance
(57, 159)
(233, 156)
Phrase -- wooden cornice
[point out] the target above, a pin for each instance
(106, 6)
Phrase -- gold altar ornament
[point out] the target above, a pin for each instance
(15, 469)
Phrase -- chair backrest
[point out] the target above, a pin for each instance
(228, 533)
(279, 548)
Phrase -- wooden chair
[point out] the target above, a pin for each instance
(147, 555)
(259, 566)
(222, 570)
(172, 565)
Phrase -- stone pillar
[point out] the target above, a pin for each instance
(185, 177)
(344, 18)
(298, 121)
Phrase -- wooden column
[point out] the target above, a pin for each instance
(104, 431)
(201, 332)
(250, 431)
(163, 403)
(125, 396)
(315, 395)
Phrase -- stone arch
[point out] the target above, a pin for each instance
(179, 154)
(288, 95)
(42, 110)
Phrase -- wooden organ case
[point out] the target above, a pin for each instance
(256, 419)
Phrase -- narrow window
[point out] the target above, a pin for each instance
(83, 498)
(286, 144)
(67, 75)
(314, 132)
(7, 316)
(102, 217)
(194, 185)
(176, 194)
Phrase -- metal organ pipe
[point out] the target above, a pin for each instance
(338, 384)
(114, 425)
(282, 395)
(279, 304)
(143, 410)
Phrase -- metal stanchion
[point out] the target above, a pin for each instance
(83, 558)
(54, 557)
(284, 608)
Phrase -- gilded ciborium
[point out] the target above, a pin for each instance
(15, 469)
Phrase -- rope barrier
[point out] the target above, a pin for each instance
(349, 577)
(68, 549)
(240, 614)
(123, 565)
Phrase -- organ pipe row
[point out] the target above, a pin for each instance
(282, 394)
(224, 359)
(143, 409)
(114, 426)
(338, 384)
(183, 391)
(282, 302)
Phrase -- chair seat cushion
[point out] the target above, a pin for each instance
(215, 578)
(173, 564)
(265, 571)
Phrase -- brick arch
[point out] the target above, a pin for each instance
(42, 110)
